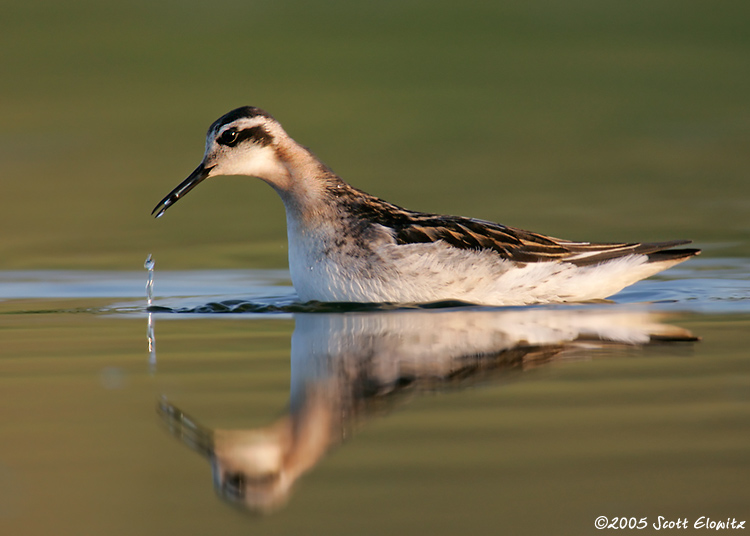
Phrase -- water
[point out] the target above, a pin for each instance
(253, 413)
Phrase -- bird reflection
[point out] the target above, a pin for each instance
(347, 367)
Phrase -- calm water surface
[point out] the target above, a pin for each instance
(252, 414)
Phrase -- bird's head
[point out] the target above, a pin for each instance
(245, 141)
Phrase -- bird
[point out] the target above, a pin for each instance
(346, 245)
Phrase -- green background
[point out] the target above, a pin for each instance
(589, 120)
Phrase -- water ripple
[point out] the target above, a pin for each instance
(702, 285)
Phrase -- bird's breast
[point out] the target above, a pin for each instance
(333, 261)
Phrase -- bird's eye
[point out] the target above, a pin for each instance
(229, 137)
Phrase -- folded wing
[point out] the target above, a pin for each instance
(524, 246)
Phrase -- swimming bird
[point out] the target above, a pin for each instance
(346, 245)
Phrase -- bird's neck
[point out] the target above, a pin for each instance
(309, 189)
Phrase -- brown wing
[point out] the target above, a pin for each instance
(410, 227)
(525, 246)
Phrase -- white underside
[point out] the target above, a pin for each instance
(422, 273)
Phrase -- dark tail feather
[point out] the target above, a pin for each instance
(656, 252)
(672, 254)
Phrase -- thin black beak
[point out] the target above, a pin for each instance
(200, 173)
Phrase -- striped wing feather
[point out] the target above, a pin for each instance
(524, 246)
(410, 227)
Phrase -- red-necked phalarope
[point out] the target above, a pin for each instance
(348, 246)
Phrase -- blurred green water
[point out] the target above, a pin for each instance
(586, 120)
(645, 433)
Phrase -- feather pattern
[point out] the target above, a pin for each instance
(509, 243)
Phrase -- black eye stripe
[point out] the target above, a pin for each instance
(233, 137)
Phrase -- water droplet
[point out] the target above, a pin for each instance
(150, 337)
(149, 265)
